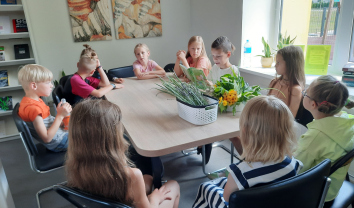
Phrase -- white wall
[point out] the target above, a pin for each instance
(214, 18)
(6, 200)
(51, 35)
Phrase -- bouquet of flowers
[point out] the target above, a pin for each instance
(232, 90)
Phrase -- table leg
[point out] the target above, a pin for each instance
(157, 171)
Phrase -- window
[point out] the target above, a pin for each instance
(351, 57)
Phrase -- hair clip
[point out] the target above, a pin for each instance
(324, 103)
(347, 102)
(335, 82)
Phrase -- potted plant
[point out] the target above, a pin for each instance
(266, 58)
(284, 41)
(233, 92)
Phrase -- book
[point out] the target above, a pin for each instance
(5, 25)
(348, 67)
(21, 51)
(8, 2)
(6, 103)
(196, 76)
(2, 53)
(4, 78)
(19, 25)
(348, 73)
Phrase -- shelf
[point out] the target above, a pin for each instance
(10, 88)
(10, 137)
(11, 8)
(17, 62)
(6, 113)
(14, 35)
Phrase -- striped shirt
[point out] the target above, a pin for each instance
(247, 175)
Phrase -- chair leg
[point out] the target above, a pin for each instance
(193, 151)
(41, 192)
(157, 169)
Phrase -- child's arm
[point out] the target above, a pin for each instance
(141, 75)
(104, 90)
(47, 135)
(159, 71)
(177, 68)
(104, 79)
(230, 187)
(296, 96)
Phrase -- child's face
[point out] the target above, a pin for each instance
(280, 65)
(195, 49)
(220, 58)
(142, 55)
(44, 88)
(308, 102)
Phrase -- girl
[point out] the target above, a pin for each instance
(328, 135)
(267, 152)
(144, 67)
(221, 50)
(195, 57)
(97, 162)
(290, 66)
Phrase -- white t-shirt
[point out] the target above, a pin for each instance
(215, 72)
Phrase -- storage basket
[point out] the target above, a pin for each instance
(199, 115)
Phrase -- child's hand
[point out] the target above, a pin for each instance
(118, 80)
(209, 83)
(181, 55)
(119, 86)
(160, 194)
(98, 63)
(63, 109)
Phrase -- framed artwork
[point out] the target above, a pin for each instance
(90, 20)
(137, 18)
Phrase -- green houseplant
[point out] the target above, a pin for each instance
(284, 41)
(266, 57)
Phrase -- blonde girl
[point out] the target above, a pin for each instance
(330, 135)
(290, 66)
(264, 144)
(221, 50)
(97, 162)
(195, 57)
(145, 68)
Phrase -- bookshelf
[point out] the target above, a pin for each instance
(12, 65)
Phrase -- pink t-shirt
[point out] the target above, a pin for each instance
(202, 63)
(150, 66)
(81, 88)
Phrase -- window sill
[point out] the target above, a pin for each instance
(269, 73)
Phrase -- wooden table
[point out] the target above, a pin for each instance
(152, 122)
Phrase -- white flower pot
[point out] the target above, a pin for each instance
(239, 108)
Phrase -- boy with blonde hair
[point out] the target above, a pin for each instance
(36, 81)
(82, 85)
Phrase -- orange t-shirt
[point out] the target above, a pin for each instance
(30, 109)
(203, 63)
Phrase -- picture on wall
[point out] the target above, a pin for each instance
(90, 20)
(137, 18)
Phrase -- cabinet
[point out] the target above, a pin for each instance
(12, 66)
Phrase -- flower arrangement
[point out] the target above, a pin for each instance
(232, 90)
(183, 91)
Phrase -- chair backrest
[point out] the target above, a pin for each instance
(121, 72)
(169, 67)
(57, 94)
(343, 161)
(63, 80)
(85, 200)
(307, 190)
(24, 131)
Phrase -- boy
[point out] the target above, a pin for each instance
(82, 85)
(36, 81)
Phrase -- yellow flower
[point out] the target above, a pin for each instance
(215, 85)
(232, 92)
(220, 100)
(224, 103)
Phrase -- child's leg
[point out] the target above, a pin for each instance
(63, 145)
(148, 183)
(174, 194)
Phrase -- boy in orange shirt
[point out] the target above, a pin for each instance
(36, 81)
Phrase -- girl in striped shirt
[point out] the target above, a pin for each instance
(268, 141)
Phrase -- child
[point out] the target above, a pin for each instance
(97, 161)
(82, 84)
(328, 135)
(36, 81)
(290, 66)
(144, 67)
(265, 144)
(195, 57)
(221, 50)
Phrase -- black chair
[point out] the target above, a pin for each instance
(63, 80)
(307, 190)
(121, 72)
(40, 158)
(57, 94)
(346, 193)
(169, 67)
(85, 200)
